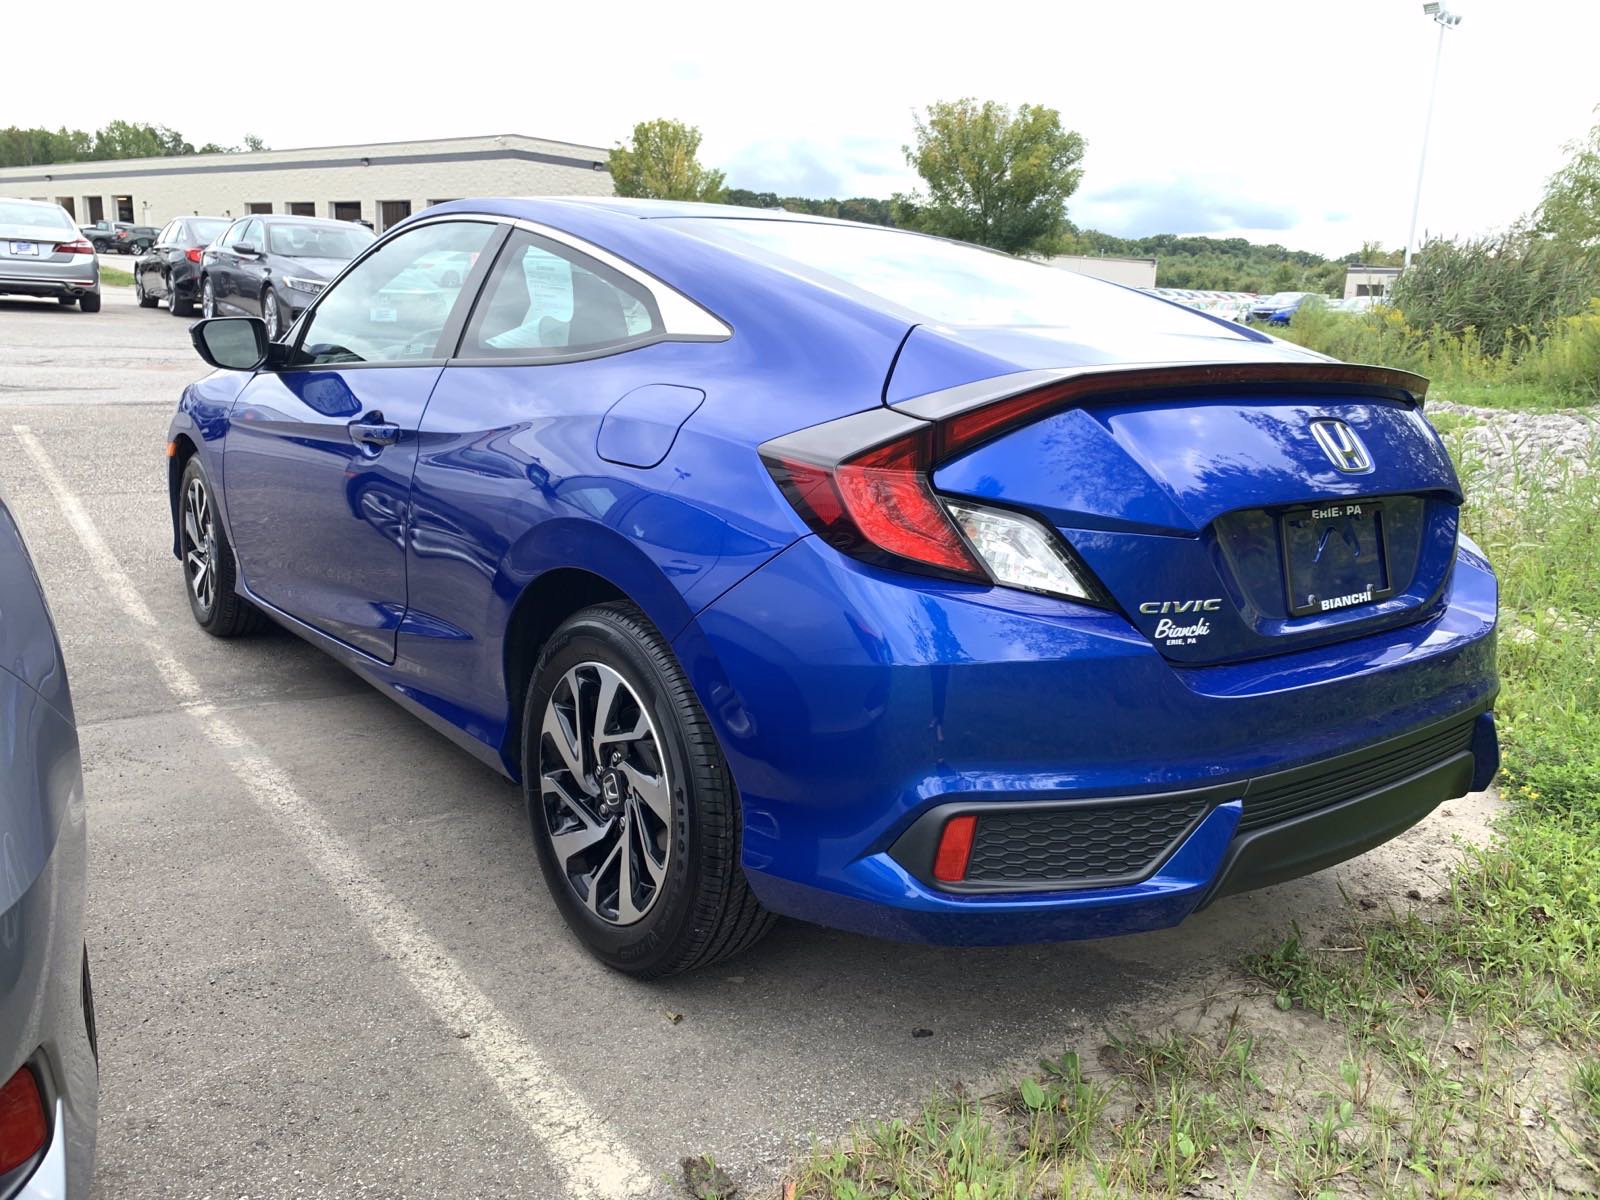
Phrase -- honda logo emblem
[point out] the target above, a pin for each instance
(1343, 448)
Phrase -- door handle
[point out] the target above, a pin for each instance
(373, 430)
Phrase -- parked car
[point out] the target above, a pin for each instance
(1264, 306)
(170, 269)
(49, 1086)
(806, 567)
(119, 237)
(42, 254)
(271, 267)
(1283, 314)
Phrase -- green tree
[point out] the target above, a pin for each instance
(661, 162)
(1570, 210)
(125, 139)
(993, 176)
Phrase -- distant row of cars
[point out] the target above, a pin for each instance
(258, 266)
(1277, 309)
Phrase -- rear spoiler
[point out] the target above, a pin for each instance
(986, 408)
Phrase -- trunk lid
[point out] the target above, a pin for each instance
(1206, 501)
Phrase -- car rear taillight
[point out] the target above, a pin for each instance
(877, 504)
(955, 849)
(81, 246)
(193, 253)
(24, 1126)
(864, 485)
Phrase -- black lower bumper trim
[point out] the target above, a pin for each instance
(1338, 832)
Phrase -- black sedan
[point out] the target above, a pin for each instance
(272, 267)
(170, 269)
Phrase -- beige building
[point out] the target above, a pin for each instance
(1130, 272)
(381, 183)
(1361, 280)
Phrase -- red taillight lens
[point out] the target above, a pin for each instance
(955, 848)
(24, 1127)
(877, 505)
(81, 246)
(193, 253)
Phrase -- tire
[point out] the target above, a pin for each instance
(101, 246)
(272, 315)
(89, 302)
(207, 561)
(66, 301)
(139, 294)
(139, 247)
(208, 298)
(689, 905)
(176, 305)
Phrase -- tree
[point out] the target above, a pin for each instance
(661, 163)
(125, 139)
(993, 176)
(1570, 211)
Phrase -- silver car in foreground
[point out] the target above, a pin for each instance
(42, 253)
(49, 1072)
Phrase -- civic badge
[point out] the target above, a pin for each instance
(1343, 448)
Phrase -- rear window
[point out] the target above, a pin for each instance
(950, 283)
(203, 233)
(17, 212)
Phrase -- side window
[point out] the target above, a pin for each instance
(233, 234)
(546, 299)
(253, 235)
(393, 305)
(169, 234)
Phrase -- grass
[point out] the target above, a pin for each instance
(1447, 1052)
(111, 277)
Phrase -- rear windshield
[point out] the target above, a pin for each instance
(18, 212)
(203, 233)
(318, 241)
(947, 282)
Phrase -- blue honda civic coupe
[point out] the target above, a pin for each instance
(802, 567)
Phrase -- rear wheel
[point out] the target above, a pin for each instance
(89, 302)
(101, 246)
(145, 299)
(208, 566)
(176, 304)
(635, 816)
(66, 301)
(208, 298)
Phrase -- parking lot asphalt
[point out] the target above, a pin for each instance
(325, 963)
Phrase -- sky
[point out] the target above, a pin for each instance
(1292, 121)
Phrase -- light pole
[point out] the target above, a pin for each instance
(1444, 19)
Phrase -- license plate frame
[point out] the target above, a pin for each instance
(25, 249)
(1358, 580)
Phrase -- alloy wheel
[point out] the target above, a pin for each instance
(271, 316)
(208, 300)
(605, 793)
(200, 543)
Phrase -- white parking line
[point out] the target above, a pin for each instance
(589, 1156)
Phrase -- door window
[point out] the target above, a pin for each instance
(393, 304)
(235, 232)
(254, 235)
(543, 299)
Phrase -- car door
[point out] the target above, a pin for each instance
(220, 264)
(249, 269)
(153, 267)
(318, 459)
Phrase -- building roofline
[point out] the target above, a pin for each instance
(246, 158)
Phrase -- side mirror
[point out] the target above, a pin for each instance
(244, 248)
(231, 343)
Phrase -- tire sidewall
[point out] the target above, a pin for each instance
(203, 617)
(658, 936)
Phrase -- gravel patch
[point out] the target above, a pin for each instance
(1504, 439)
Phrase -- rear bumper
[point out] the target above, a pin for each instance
(852, 707)
(46, 285)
